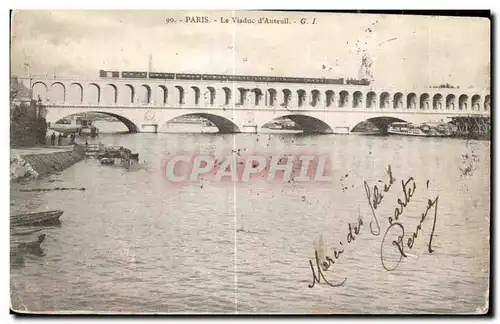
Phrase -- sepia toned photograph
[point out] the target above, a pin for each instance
(249, 162)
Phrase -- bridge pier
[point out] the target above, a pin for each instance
(341, 130)
(249, 128)
(149, 128)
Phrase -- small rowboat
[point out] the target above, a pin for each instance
(18, 231)
(40, 218)
(107, 161)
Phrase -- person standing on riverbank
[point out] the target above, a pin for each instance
(53, 139)
(59, 140)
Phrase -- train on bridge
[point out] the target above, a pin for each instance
(226, 77)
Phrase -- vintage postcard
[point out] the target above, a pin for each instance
(244, 162)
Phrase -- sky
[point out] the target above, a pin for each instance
(402, 51)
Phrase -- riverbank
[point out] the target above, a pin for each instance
(37, 162)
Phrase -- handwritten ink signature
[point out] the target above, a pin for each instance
(396, 229)
(325, 265)
(399, 244)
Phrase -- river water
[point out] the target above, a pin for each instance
(134, 242)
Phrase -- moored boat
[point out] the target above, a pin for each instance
(21, 231)
(406, 129)
(107, 161)
(39, 218)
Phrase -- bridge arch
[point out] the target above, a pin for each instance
(162, 95)
(224, 125)
(210, 95)
(371, 100)
(145, 94)
(94, 96)
(476, 102)
(180, 95)
(227, 95)
(243, 95)
(437, 101)
(40, 89)
(450, 102)
(329, 98)
(384, 100)
(257, 96)
(128, 94)
(196, 94)
(411, 101)
(343, 99)
(131, 125)
(398, 100)
(74, 94)
(57, 92)
(315, 97)
(110, 94)
(301, 97)
(272, 96)
(424, 101)
(287, 97)
(487, 103)
(382, 122)
(308, 124)
(462, 102)
(357, 99)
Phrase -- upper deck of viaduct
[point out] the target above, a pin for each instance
(250, 93)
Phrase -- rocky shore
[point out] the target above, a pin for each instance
(25, 165)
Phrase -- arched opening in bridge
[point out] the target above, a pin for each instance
(357, 99)
(343, 99)
(315, 97)
(196, 93)
(94, 96)
(129, 94)
(371, 100)
(75, 94)
(243, 95)
(104, 121)
(211, 95)
(287, 95)
(476, 102)
(272, 94)
(376, 125)
(398, 100)
(162, 95)
(58, 93)
(180, 95)
(424, 101)
(487, 103)
(257, 95)
(384, 100)
(110, 94)
(450, 102)
(227, 95)
(329, 97)
(40, 90)
(301, 97)
(145, 95)
(298, 123)
(411, 101)
(462, 102)
(437, 101)
(199, 123)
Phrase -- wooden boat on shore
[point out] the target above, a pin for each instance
(40, 218)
